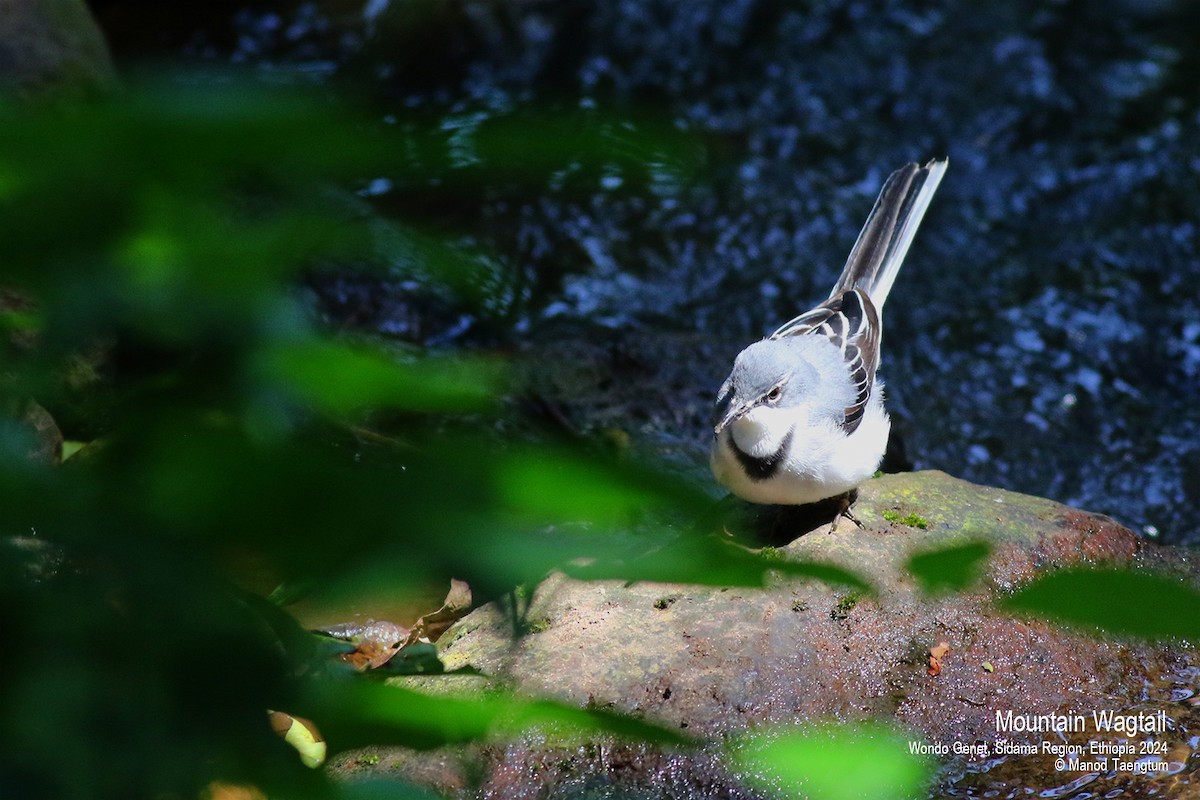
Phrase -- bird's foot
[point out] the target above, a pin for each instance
(843, 510)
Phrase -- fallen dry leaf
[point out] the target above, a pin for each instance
(375, 642)
(936, 654)
(456, 606)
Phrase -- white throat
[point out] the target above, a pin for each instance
(761, 432)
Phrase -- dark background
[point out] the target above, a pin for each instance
(1045, 334)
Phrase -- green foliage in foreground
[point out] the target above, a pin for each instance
(950, 568)
(1137, 604)
(368, 713)
(152, 249)
(864, 762)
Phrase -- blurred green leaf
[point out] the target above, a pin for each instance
(558, 484)
(13, 321)
(852, 762)
(148, 646)
(357, 712)
(542, 486)
(158, 249)
(826, 573)
(339, 378)
(950, 568)
(711, 561)
(157, 154)
(1124, 602)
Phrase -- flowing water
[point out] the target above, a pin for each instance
(1045, 334)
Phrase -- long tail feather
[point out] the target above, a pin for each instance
(889, 231)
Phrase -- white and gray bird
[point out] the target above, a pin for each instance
(801, 417)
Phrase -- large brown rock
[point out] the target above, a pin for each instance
(716, 661)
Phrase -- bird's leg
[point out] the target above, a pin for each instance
(843, 510)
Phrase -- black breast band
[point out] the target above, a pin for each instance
(760, 469)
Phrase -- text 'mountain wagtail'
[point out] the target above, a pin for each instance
(801, 418)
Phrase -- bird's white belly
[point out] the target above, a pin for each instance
(821, 462)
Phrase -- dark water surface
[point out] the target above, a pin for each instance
(1045, 333)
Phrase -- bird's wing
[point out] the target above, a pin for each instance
(851, 323)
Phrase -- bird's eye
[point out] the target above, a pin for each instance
(774, 395)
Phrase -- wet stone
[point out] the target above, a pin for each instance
(715, 661)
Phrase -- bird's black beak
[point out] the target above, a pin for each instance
(729, 412)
